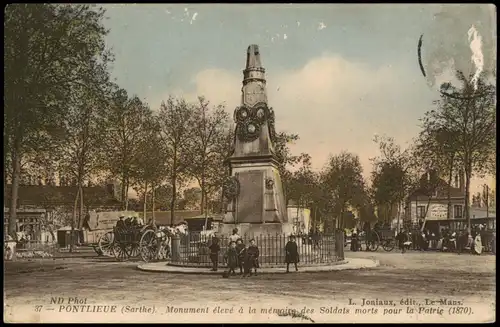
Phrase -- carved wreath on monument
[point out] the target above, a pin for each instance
(249, 121)
(231, 188)
(269, 183)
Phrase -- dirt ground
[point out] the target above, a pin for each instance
(414, 275)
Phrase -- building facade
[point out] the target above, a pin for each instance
(445, 201)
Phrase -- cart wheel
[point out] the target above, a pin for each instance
(148, 246)
(374, 243)
(106, 243)
(388, 245)
(120, 252)
(133, 250)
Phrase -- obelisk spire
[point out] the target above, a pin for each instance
(253, 57)
(253, 70)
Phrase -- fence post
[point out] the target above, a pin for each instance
(339, 244)
(176, 245)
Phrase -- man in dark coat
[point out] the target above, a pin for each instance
(231, 258)
(214, 252)
(252, 258)
(354, 241)
(291, 253)
(241, 250)
(402, 238)
(120, 224)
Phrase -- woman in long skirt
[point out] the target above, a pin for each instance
(291, 253)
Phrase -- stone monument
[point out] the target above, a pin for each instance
(256, 203)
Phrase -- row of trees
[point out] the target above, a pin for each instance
(65, 119)
(458, 137)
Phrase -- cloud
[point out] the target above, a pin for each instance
(332, 103)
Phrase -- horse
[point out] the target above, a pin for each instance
(165, 234)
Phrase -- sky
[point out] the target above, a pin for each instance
(337, 74)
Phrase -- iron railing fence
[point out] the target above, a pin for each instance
(193, 249)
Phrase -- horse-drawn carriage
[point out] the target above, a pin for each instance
(131, 241)
(376, 237)
(124, 242)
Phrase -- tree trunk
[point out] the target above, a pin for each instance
(16, 175)
(222, 200)
(341, 220)
(127, 185)
(426, 211)
(73, 221)
(206, 210)
(80, 217)
(417, 218)
(399, 217)
(123, 192)
(144, 207)
(203, 194)
(450, 178)
(468, 175)
(174, 198)
(153, 220)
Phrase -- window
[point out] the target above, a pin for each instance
(457, 211)
(421, 212)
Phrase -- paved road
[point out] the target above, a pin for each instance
(414, 275)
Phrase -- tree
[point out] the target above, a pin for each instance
(469, 112)
(344, 182)
(191, 198)
(124, 121)
(225, 149)
(48, 50)
(476, 199)
(148, 168)
(440, 145)
(208, 130)
(302, 184)
(393, 175)
(175, 118)
(160, 197)
(79, 145)
(286, 160)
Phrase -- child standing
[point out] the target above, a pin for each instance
(291, 253)
(253, 257)
(231, 258)
(241, 250)
(214, 252)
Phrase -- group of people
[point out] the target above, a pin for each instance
(444, 239)
(124, 223)
(423, 239)
(246, 256)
